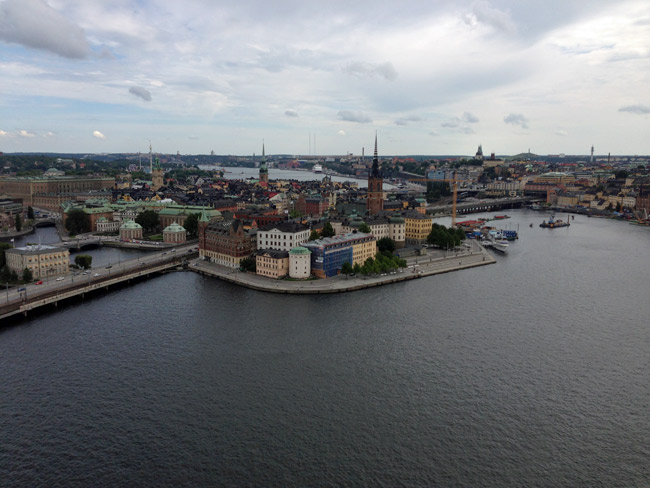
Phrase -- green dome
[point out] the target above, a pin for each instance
(174, 227)
(396, 220)
(300, 250)
(130, 224)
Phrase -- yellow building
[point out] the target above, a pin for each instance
(272, 263)
(363, 250)
(418, 228)
(43, 261)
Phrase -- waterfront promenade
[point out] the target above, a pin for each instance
(422, 266)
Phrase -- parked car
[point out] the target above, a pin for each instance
(96, 275)
(38, 282)
(60, 278)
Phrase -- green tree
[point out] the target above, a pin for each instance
(149, 220)
(295, 214)
(248, 264)
(5, 274)
(192, 224)
(30, 213)
(19, 222)
(346, 269)
(84, 261)
(621, 174)
(356, 268)
(328, 230)
(314, 235)
(386, 244)
(27, 275)
(3, 247)
(77, 221)
(365, 228)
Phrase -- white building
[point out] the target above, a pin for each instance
(299, 263)
(282, 236)
(42, 260)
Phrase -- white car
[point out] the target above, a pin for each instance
(60, 278)
(96, 275)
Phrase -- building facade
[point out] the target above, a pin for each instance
(174, 234)
(417, 228)
(43, 261)
(329, 253)
(299, 263)
(130, 231)
(272, 263)
(224, 242)
(282, 236)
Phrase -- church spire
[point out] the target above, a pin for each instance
(375, 162)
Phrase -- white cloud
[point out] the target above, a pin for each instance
(408, 120)
(367, 70)
(341, 133)
(141, 92)
(3, 133)
(516, 119)
(354, 116)
(561, 133)
(33, 23)
(24, 133)
(98, 135)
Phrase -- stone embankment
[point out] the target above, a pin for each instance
(420, 268)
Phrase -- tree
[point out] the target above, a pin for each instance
(148, 219)
(30, 213)
(3, 247)
(248, 264)
(386, 244)
(27, 275)
(294, 214)
(356, 268)
(314, 235)
(192, 224)
(328, 230)
(5, 274)
(77, 221)
(346, 269)
(621, 174)
(19, 222)
(365, 228)
(83, 261)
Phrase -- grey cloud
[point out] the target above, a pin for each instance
(516, 119)
(450, 125)
(635, 109)
(470, 118)
(561, 133)
(385, 70)
(143, 93)
(291, 113)
(466, 130)
(193, 138)
(352, 116)
(407, 120)
(33, 23)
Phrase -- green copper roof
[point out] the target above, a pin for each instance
(130, 224)
(174, 227)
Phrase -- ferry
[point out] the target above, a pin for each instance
(318, 168)
(554, 223)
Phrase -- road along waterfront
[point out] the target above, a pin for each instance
(531, 372)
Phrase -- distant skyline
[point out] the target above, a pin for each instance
(430, 77)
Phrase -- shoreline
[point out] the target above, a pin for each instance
(423, 267)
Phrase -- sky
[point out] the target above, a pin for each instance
(310, 77)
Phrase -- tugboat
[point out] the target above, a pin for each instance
(554, 223)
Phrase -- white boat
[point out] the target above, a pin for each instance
(318, 168)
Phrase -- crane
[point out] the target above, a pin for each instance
(454, 181)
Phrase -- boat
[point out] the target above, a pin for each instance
(554, 223)
(318, 168)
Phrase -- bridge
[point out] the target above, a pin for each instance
(30, 298)
(81, 243)
(483, 206)
(46, 222)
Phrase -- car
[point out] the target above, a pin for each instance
(38, 282)
(60, 278)
(96, 275)
(85, 273)
(173, 250)
(142, 264)
(109, 266)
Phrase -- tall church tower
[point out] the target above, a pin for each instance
(264, 171)
(157, 180)
(375, 200)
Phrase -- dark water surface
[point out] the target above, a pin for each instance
(530, 372)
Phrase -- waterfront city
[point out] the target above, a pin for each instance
(324, 244)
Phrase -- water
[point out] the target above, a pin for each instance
(530, 372)
(235, 173)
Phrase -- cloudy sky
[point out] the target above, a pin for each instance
(431, 77)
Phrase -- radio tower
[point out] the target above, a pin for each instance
(150, 159)
(592, 154)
